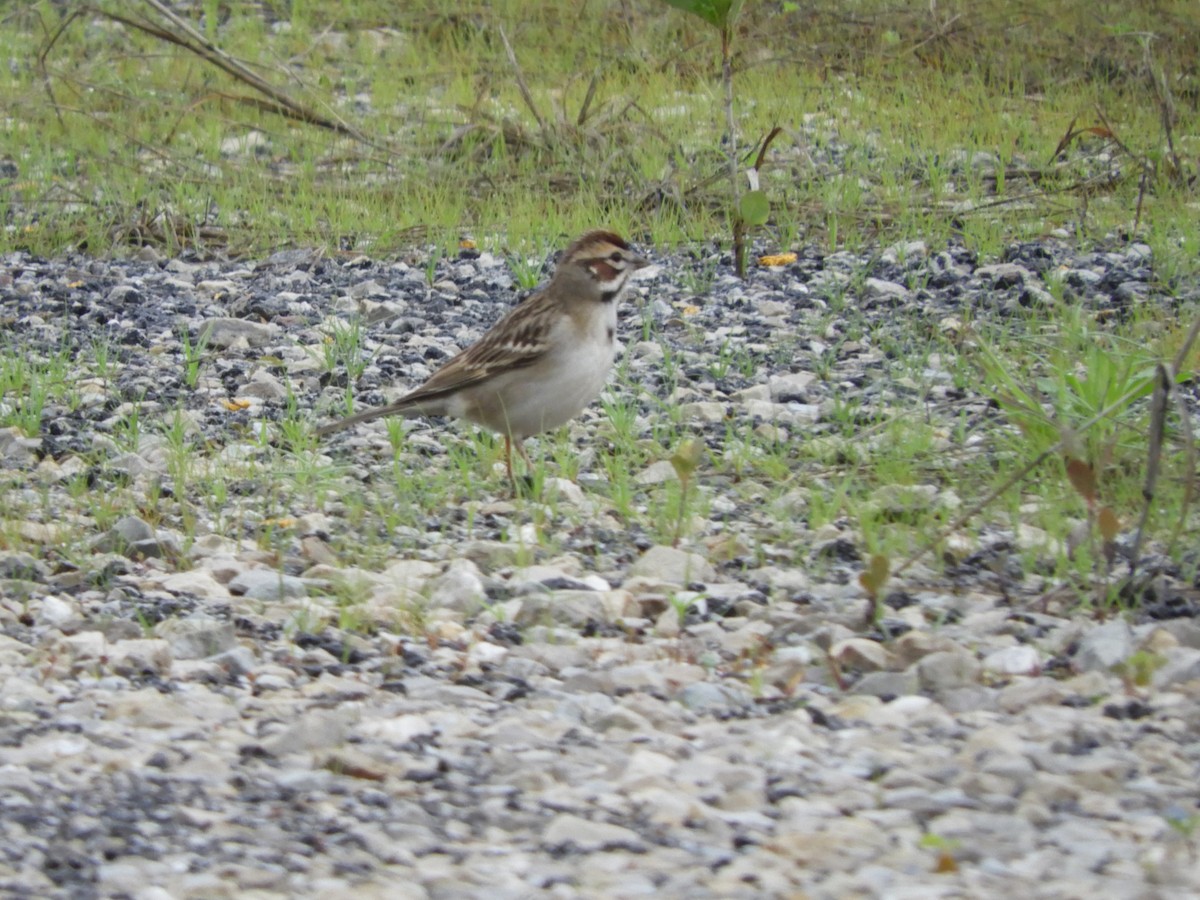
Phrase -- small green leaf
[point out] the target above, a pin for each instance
(754, 208)
(718, 13)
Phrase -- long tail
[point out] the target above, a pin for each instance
(367, 415)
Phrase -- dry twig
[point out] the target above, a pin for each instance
(182, 34)
(521, 85)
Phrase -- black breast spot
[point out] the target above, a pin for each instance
(612, 332)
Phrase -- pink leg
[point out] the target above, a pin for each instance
(509, 443)
(508, 461)
(525, 456)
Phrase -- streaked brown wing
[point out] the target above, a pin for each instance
(519, 339)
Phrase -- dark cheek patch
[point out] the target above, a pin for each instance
(602, 271)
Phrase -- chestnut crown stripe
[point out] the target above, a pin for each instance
(595, 237)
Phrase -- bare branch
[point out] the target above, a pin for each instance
(521, 85)
(185, 36)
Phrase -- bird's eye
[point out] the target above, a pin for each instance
(615, 256)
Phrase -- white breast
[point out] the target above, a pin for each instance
(554, 390)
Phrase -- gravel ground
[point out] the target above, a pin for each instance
(187, 711)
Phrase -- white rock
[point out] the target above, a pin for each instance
(140, 656)
(568, 832)
(1182, 666)
(905, 251)
(1004, 273)
(264, 385)
(267, 584)
(947, 669)
(754, 392)
(862, 654)
(889, 684)
(314, 730)
(567, 491)
(673, 565)
(1019, 660)
(771, 308)
(531, 579)
(704, 411)
(712, 697)
(197, 582)
(1030, 537)
(14, 652)
(407, 577)
(54, 611)
(230, 333)
(197, 636)
(398, 730)
(646, 768)
(659, 472)
(1031, 692)
(575, 608)
(485, 653)
(459, 588)
(86, 646)
(790, 387)
(1105, 646)
(877, 290)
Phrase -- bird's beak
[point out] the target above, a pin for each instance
(638, 262)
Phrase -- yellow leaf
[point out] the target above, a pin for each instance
(779, 259)
(279, 523)
(1083, 478)
(75, 284)
(1110, 525)
(875, 576)
(945, 864)
(687, 458)
(466, 244)
(236, 405)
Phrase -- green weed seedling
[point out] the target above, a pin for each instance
(750, 209)
(28, 383)
(128, 429)
(527, 270)
(685, 461)
(698, 280)
(343, 349)
(193, 355)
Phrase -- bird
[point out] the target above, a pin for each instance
(542, 362)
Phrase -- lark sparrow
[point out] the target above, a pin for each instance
(542, 363)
